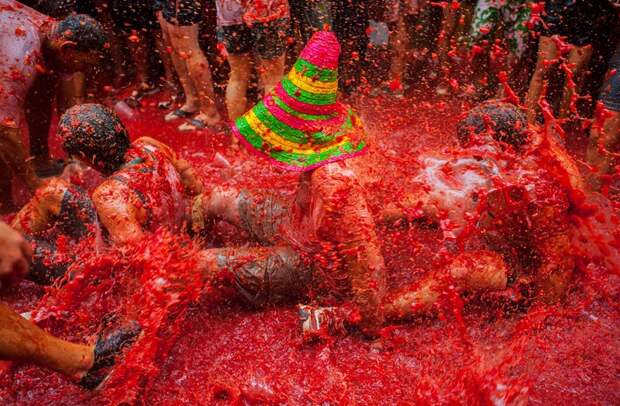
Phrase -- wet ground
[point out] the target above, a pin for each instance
(194, 351)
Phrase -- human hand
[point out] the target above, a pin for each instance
(15, 254)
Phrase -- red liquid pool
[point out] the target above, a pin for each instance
(196, 350)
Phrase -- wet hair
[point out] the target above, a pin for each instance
(84, 30)
(505, 122)
(95, 134)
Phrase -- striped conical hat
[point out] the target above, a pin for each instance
(299, 125)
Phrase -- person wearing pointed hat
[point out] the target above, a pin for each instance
(322, 243)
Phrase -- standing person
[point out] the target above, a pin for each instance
(260, 27)
(135, 21)
(505, 20)
(35, 50)
(311, 16)
(180, 24)
(578, 23)
(22, 340)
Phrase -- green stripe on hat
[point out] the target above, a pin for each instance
(307, 160)
(278, 126)
(314, 72)
(291, 111)
(307, 97)
(249, 134)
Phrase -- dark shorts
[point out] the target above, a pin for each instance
(268, 39)
(580, 21)
(610, 93)
(275, 272)
(183, 12)
(133, 15)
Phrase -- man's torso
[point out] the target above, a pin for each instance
(20, 53)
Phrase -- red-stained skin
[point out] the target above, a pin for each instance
(480, 350)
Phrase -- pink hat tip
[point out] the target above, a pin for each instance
(322, 50)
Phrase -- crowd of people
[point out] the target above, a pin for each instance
(278, 71)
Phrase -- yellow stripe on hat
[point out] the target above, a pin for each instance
(272, 138)
(312, 86)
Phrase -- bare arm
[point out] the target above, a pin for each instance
(121, 218)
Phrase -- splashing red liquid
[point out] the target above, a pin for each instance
(199, 348)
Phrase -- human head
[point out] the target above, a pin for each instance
(498, 120)
(95, 135)
(76, 42)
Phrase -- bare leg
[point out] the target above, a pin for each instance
(219, 203)
(162, 42)
(177, 56)
(271, 72)
(140, 54)
(398, 43)
(547, 52)
(236, 97)
(185, 42)
(578, 59)
(603, 143)
(479, 270)
(22, 340)
(14, 154)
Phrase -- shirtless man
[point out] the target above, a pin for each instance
(34, 51)
(146, 182)
(22, 340)
(504, 201)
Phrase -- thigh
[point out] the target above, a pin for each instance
(264, 275)
(183, 38)
(270, 38)
(263, 215)
(240, 65)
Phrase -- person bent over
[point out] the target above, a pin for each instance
(35, 51)
(23, 340)
(146, 183)
(323, 240)
(504, 200)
